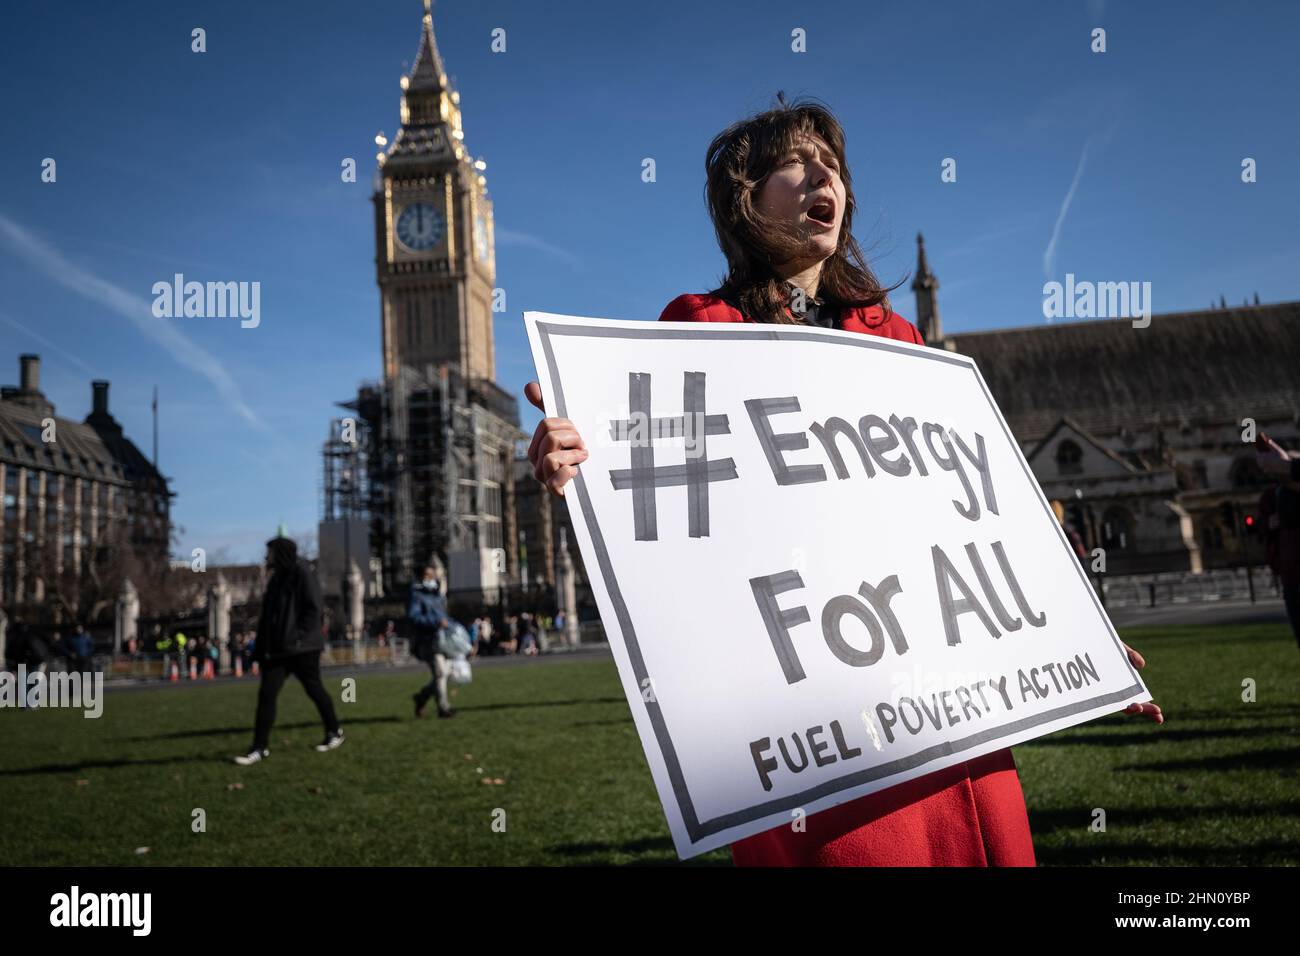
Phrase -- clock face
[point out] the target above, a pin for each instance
(420, 226)
(481, 238)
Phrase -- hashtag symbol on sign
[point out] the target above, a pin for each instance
(644, 477)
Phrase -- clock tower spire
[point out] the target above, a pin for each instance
(427, 83)
(433, 231)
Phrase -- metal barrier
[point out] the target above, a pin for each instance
(395, 653)
(1184, 587)
(345, 653)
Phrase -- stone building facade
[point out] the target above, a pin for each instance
(82, 505)
(1144, 434)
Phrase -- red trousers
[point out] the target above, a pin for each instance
(971, 814)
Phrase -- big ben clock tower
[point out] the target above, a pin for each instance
(433, 232)
(439, 434)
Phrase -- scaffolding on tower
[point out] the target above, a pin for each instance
(438, 454)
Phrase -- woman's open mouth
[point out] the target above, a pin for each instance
(822, 214)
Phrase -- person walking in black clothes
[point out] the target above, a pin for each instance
(289, 641)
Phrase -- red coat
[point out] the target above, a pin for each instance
(971, 814)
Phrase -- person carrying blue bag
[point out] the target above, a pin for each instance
(429, 640)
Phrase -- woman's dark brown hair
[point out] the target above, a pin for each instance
(738, 162)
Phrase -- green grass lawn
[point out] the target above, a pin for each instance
(1216, 784)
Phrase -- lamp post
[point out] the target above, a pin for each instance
(344, 591)
(523, 559)
(347, 491)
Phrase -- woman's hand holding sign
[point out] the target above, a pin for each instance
(1152, 709)
(557, 448)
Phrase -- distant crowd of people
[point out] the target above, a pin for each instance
(37, 651)
(203, 651)
(525, 632)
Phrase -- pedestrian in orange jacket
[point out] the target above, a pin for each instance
(781, 200)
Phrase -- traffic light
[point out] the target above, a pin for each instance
(1251, 523)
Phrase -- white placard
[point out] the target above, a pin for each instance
(822, 562)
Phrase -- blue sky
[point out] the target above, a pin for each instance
(225, 166)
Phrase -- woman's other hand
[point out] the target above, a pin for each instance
(1152, 709)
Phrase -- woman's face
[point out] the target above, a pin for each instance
(805, 190)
